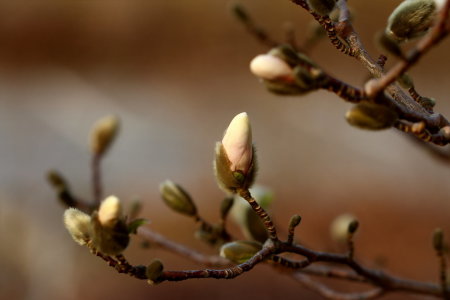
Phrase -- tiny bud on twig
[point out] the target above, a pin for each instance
(177, 198)
(240, 251)
(103, 134)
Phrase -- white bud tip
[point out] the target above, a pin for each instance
(110, 211)
(237, 142)
(269, 67)
(78, 224)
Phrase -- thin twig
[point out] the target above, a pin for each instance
(96, 178)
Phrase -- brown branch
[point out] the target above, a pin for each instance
(180, 249)
(326, 292)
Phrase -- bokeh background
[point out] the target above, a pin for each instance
(176, 72)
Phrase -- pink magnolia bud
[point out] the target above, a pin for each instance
(270, 67)
(237, 143)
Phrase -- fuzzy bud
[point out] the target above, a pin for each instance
(412, 18)
(371, 116)
(177, 198)
(322, 7)
(110, 211)
(154, 271)
(103, 134)
(235, 157)
(78, 224)
(340, 227)
(240, 251)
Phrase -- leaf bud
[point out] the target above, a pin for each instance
(295, 221)
(411, 19)
(371, 116)
(342, 226)
(56, 180)
(154, 271)
(322, 7)
(177, 198)
(240, 251)
(103, 134)
(78, 224)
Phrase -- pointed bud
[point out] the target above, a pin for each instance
(103, 134)
(322, 7)
(235, 156)
(177, 198)
(154, 271)
(366, 115)
(56, 180)
(237, 143)
(412, 18)
(270, 67)
(110, 211)
(295, 221)
(340, 227)
(240, 251)
(78, 224)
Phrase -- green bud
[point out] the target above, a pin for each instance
(78, 224)
(103, 134)
(56, 180)
(322, 7)
(239, 11)
(240, 251)
(109, 240)
(340, 227)
(154, 271)
(411, 19)
(295, 221)
(225, 206)
(177, 198)
(387, 43)
(227, 179)
(366, 115)
(438, 240)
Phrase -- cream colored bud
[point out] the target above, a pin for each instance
(110, 212)
(103, 134)
(270, 67)
(78, 224)
(237, 143)
(339, 228)
(240, 251)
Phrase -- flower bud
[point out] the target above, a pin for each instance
(103, 134)
(154, 271)
(412, 18)
(177, 198)
(110, 211)
(235, 160)
(240, 251)
(322, 7)
(78, 224)
(270, 67)
(366, 115)
(340, 227)
(109, 240)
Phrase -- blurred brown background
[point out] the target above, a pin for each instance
(176, 72)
